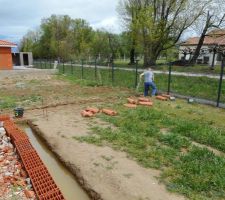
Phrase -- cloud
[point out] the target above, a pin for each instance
(109, 23)
(19, 16)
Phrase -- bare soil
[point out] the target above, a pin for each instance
(107, 174)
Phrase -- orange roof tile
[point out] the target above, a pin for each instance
(215, 37)
(4, 43)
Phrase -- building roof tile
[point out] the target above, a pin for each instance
(215, 37)
(4, 43)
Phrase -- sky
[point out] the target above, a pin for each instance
(19, 16)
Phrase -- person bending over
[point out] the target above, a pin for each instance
(149, 82)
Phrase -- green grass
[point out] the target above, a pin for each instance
(161, 65)
(201, 132)
(202, 69)
(7, 102)
(43, 65)
(199, 87)
(160, 139)
(102, 76)
(198, 174)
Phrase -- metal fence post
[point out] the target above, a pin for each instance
(221, 81)
(71, 64)
(95, 68)
(136, 73)
(113, 73)
(63, 68)
(82, 69)
(169, 78)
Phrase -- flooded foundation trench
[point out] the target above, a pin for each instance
(64, 179)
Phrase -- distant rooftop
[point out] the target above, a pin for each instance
(215, 37)
(4, 43)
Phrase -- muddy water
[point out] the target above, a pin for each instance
(63, 178)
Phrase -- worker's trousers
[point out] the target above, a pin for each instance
(146, 89)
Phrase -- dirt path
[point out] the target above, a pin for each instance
(108, 172)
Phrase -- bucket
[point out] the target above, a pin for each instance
(18, 112)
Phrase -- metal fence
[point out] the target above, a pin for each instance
(202, 87)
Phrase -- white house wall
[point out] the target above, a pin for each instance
(201, 56)
(30, 58)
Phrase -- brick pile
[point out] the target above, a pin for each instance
(133, 102)
(142, 101)
(42, 182)
(91, 112)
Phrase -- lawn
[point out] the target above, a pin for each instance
(162, 137)
(199, 87)
(161, 65)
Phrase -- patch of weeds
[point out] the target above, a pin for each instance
(7, 102)
(96, 164)
(31, 99)
(107, 158)
(178, 107)
(81, 82)
(199, 175)
(35, 98)
(90, 140)
(202, 133)
(109, 167)
(174, 141)
(35, 82)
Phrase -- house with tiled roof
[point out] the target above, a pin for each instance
(6, 61)
(215, 38)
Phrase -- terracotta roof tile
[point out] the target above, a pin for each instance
(215, 37)
(4, 43)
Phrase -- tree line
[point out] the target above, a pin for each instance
(151, 28)
(60, 36)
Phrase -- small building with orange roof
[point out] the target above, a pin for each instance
(6, 61)
(215, 38)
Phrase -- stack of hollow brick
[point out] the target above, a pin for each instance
(42, 182)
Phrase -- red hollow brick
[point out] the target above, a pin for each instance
(44, 187)
(23, 146)
(4, 117)
(43, 184)
(56, 195)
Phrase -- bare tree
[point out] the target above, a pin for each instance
(213, 18)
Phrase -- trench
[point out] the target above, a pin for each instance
(62, 176)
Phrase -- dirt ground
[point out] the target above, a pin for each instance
(109, 173)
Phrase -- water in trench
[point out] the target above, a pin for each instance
(63, 178)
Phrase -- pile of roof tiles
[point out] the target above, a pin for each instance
(43, 184)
